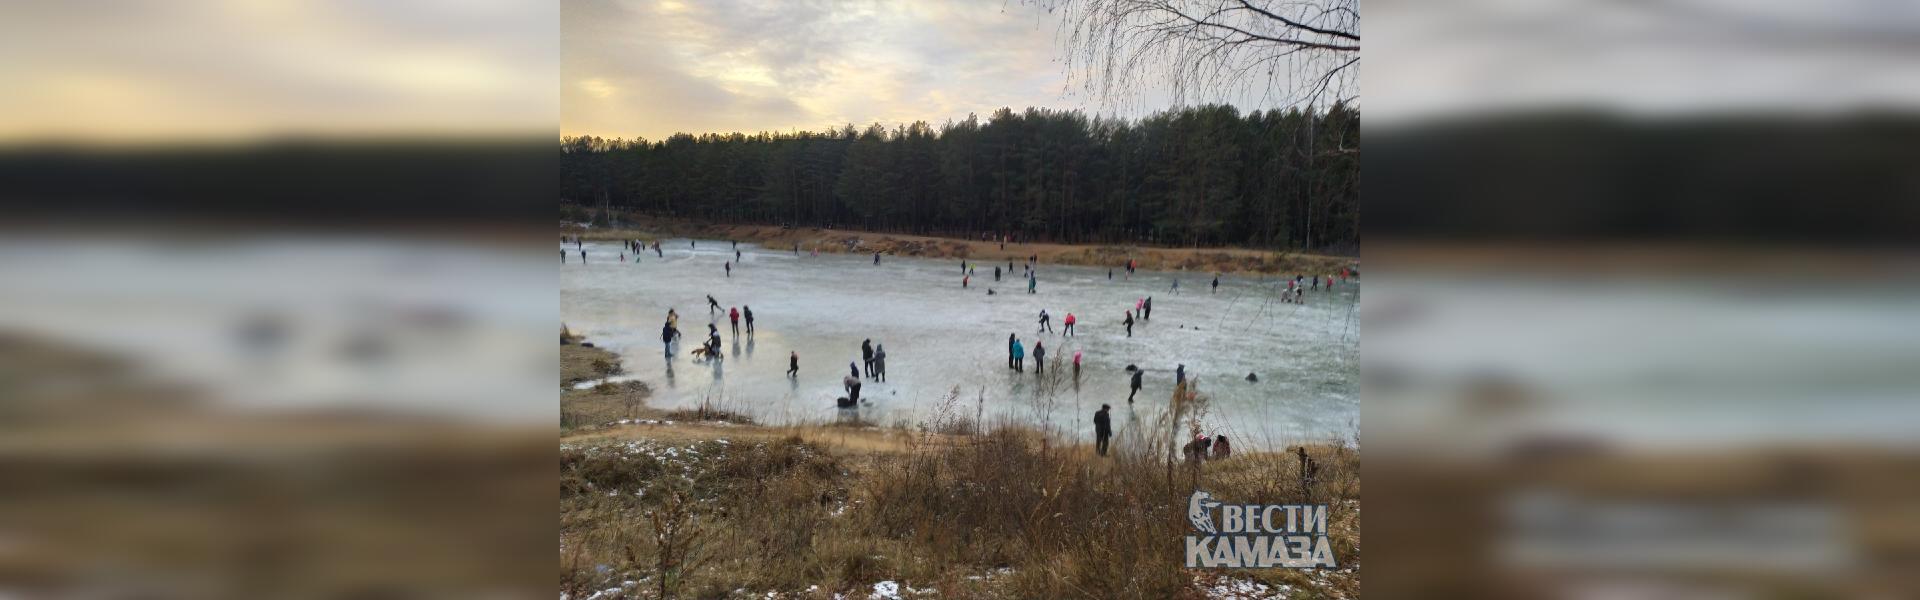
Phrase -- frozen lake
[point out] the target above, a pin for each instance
(939, 336)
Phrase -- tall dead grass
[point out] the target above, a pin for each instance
(1005, 512)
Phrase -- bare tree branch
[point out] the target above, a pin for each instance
(1266, 51)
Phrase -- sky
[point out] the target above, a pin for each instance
(141, 71)
(651, 68)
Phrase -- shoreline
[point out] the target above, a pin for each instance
(844, 488)
(842, 241)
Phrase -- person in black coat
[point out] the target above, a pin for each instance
(1102, 429)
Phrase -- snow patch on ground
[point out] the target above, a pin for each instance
(1241, 589)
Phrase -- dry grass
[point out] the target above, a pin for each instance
(1000, 514)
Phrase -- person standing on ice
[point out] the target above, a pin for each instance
(1039, 358)
(1010, 342)
(880, 362)
(793, 364)
(729, 269)
(1069, 328)
(1033, 279)
(866, 355)
(748, 311)
(1019, 357)
(1216, 283)
(1129, 323)
(733, 314)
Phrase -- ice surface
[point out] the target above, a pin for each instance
(938, 336)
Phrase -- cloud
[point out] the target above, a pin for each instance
(132, 70)
(753, 65)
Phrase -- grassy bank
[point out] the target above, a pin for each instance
(683, 505)
(1205, 260)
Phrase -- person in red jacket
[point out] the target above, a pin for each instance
(1070, 322)
(734, 315)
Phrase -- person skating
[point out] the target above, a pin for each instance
(793, 364)
(748, 311)
(712, 305)
(876, 258)
(1137, 373)
(1039, 358)
(1076, 365)
(1032, 280)
(1102, 429)
(964, 280)
(996, 268)
(866, 355)
(1019, 357)
(1216, 283)
(733, 315)
(667, 333)
(1147, 309)
(583, 257)
(1129, 323)
(880, 362)
(736, 255)
(656, 250)
(729, 268)
(1069, 328)
(1109, 273)
(1176, 285)
(1046, 322)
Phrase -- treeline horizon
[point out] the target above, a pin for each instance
(1195, 176)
